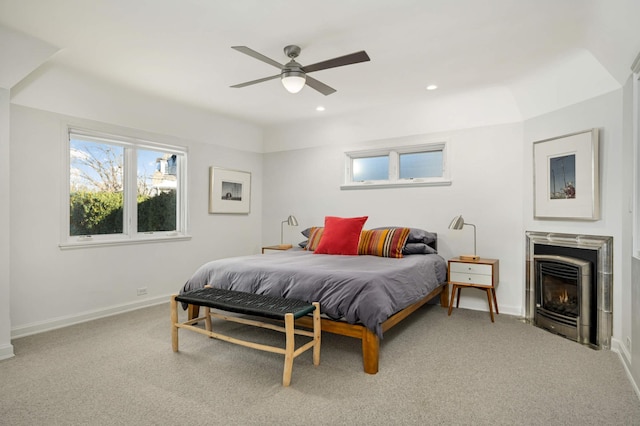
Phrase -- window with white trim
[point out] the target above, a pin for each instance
(122, 189)
(416, 165)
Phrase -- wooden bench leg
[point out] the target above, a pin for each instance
(174, 321)
(207, 319)
(289, 349)
(317, 334)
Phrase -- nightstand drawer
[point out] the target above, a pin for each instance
(478, 279)
(471, 268)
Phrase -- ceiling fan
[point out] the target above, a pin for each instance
(293, 75)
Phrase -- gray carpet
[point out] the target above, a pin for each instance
(434, 369)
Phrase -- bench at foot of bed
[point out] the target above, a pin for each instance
(370, 341)
(255, 305)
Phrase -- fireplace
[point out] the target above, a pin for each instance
(569, 286)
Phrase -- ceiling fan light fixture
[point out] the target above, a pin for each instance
(293, 80)
(293, 75)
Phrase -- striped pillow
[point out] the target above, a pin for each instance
(383, 242)
(314, 238)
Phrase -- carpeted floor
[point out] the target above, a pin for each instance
(434, 369)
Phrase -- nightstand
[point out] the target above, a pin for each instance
(481, 273)
(277, 247)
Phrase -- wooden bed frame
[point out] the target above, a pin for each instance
(370, 341)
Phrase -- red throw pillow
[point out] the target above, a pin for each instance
(341, 235)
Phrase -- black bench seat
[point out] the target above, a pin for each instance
(246, 303)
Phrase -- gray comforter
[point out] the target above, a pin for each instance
(358, 289)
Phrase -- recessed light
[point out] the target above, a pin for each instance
(432, 87)
(319, 108)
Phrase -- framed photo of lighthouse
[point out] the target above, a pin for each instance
(566, 178)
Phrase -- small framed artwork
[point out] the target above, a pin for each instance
(229, 191)
(565, 177)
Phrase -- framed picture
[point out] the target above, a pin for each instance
(229, 191)
(565, 177)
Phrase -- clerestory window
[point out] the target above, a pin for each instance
(417, 165)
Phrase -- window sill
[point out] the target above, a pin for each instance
(373, 185)
(121, 242)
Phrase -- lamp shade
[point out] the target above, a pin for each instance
(457, 223)
(293, 80)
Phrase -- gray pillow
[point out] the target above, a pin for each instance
(418, 248)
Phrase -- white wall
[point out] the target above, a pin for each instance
(486, 172)
(606, 113)
(51, 287)
(6, 349)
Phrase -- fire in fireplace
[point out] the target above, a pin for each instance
(563, 293)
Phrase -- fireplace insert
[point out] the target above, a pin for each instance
(563, 296)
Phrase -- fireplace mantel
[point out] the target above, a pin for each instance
(603, 245)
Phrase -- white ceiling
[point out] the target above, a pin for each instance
(181, 49)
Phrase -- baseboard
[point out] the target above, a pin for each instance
(42, 326)
(6, 352)
(482, 307)
(625, 359)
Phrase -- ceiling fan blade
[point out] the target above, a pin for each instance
(260, 80)
(259, 56)
(319, 86)
(352, 58)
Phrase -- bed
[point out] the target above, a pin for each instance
(360, 296)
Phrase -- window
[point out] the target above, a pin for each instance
(123, 189)
(418, 165)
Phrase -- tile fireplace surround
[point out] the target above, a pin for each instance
(603, 246)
